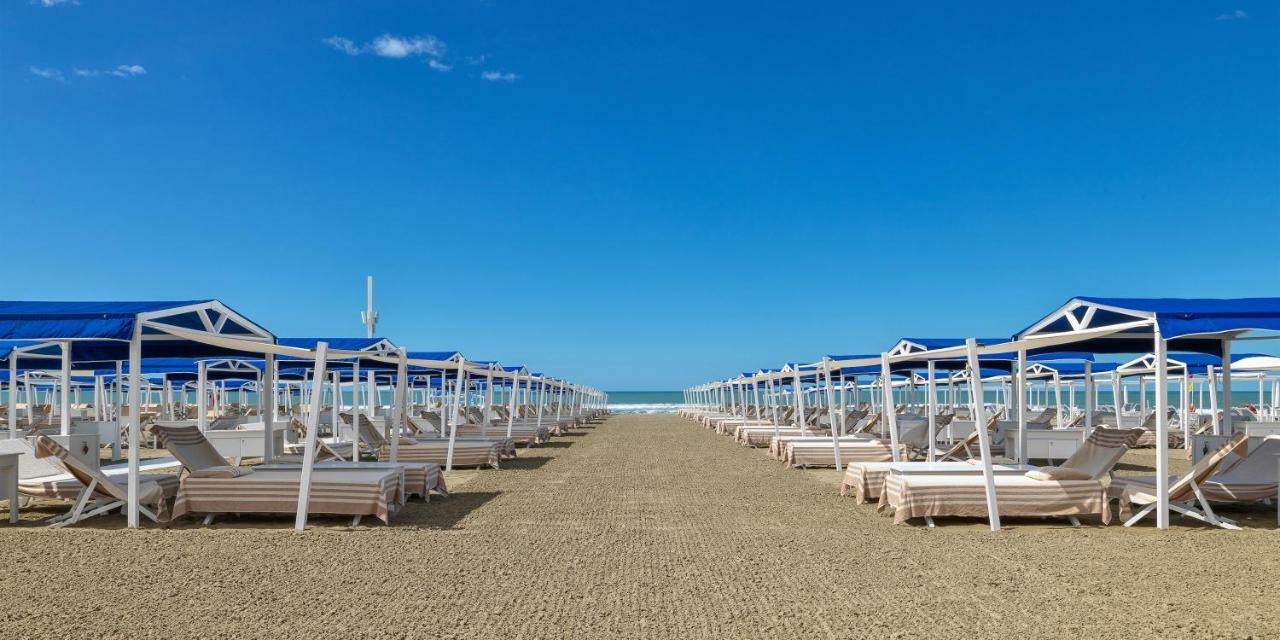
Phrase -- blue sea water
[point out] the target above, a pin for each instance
(645, 401)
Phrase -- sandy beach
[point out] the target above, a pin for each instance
(643, 527)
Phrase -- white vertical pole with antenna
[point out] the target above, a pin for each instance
(369, 317)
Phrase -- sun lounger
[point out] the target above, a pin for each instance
(1186, 495)
(466, 452)
(423, 433)
(346, 492)
(100, 493)
(866, 479)
(527, 434)
(1053, 491)
(199, 456)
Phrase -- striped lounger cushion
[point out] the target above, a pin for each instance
(521, 435)
(917, 496)
(465, 454)
(373, 492)
(66, 487)
(819, 454)
(865, 480)
(423, 478)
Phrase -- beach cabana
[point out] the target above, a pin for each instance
(1160, 325)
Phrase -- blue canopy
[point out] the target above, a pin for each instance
(78, 320)
(1188, 324)
(99, 332)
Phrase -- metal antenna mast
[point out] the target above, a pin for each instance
(369, 317)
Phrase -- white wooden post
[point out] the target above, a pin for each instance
(1227, 428)
(453, 433)
(64, 400)
(1213, 400)
(511, 413)
(202, 395)
(932, 388)
(135, 422)
(1020, 384)
(1162, 430)
(891, 416)
(402, 403)
(1090, 398)
(1057, 397)
(267, 398)
(984, 439)
(309, 447)
(835, 435)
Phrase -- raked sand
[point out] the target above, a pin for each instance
(644, 527)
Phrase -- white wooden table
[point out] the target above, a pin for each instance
(9, 483)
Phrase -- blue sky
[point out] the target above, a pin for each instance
(640, 197)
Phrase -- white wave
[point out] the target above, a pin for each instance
(646, 408)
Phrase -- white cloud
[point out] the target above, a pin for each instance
(54, 3)
(344, 45)
(1238, 14)
(48, 74)
(389, 46)
(128, 71)
(430, 49)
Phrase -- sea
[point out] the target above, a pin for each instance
(645, 401)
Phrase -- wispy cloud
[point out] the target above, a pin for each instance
(429, 48)
(389, 46)
(48, 74)
(432, 51)
(344, 45)
(1238, 14)
(121, 71)
(54, 3)
(128, 71)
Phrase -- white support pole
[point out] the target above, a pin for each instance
(1090, 398)
(135, 422)
(1057, 398)
(202, 395)
(932, 370)
(835, 434)
(453, 433)
(356, 399)
(1020, 381)
(335, 419)
(13, 396)
(1213, 400)
(799, 401)
(511, 411)
(984, 439)
(313, 426)
(1162, 430)
(891, 416)
(1184, 405)
(1117, 386)
(487, 414)
(1227, 427)
(402, 403)
(64, 399)
(267, 400)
